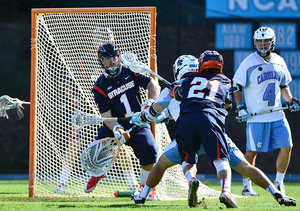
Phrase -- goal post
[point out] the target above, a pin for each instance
(64, 67)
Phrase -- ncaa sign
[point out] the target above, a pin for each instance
(252, 8)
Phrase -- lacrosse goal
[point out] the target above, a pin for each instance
(64, 68)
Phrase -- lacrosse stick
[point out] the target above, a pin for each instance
(7, 103)
(130, 60)
(79, 119)
(100, 155)
(268, 111)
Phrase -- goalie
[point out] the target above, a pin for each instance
(117, 94)
(101, 35)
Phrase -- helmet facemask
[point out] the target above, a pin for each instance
(109, 60)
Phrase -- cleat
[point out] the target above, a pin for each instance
(135, 196)
(92, 183)
(192, 195)
(280, 187)
(152, 194)
(226, 198)
(61, 188)
(285, 200)
(249, 192)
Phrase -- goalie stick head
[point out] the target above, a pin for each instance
(264, 41)
(184, 64)
(211, 61)
(109, 60)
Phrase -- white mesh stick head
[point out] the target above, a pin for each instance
(99, 156)
(79, 119)
(8, 103)
(130, 60)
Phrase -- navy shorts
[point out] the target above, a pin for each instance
(141, 140)
(196, 128)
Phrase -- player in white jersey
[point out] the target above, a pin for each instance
(171, 155)
(259, 82)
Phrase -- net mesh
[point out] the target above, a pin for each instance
(67, 68)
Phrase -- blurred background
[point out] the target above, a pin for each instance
(183, 27)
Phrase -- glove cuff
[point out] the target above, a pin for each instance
(147, 104)
(150, 114)
(292, 101)
(242, 106)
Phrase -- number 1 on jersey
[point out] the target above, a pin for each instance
(125, 102)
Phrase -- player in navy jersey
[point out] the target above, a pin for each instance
(169, 109)
(101, 36)
(259, 83)
(202, 121)
(117, 94)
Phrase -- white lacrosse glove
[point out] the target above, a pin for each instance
(242, 114)
(147, 104)
(164, 117)
(137, 119)
(121, 134)
(294, 105)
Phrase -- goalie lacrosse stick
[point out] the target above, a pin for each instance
(130, 60)
(79, 119)
(266, 112)
(100, 155)
(8, 103)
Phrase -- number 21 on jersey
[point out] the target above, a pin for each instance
(198, 86)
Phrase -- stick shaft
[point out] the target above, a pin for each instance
(269, 111)
(116, 119)
(158, 76)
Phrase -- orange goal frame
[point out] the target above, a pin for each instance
(33, 89)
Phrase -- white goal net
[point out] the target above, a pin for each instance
(64, 69)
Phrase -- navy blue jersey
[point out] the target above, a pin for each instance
(122, 97)
(202, 116)
(205, 92)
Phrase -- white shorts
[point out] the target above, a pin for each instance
(268, 136)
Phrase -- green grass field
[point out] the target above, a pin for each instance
(14, 196)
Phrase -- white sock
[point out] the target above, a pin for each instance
(280, 177)
(143, 176)
(146, 191)
(188, 175)
(130, 177)
(272, 189)
(247, 184)
(64, 175)
(225, 185)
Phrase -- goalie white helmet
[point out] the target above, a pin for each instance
(185, 64)
(268, 38)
